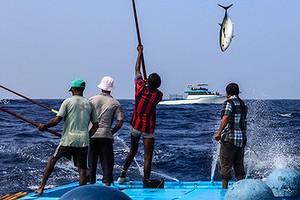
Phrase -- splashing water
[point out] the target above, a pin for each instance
(4, 101)
(166, 176)
(215, 158)
(127, 149)
(138, 165)
(269, 152)
(251, 165)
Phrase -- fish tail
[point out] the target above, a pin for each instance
(225, 7)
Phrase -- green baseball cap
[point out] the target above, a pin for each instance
(77, 83)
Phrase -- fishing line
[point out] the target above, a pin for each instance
(252, 150)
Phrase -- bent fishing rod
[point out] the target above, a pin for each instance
(139, 38)
(29, 121)
(35, 102)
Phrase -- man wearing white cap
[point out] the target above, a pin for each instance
(101, 143)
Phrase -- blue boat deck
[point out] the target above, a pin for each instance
(168, 194)
(134, 189)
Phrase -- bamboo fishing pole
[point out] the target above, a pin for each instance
(29, 121)
(139, 38)
(35, 102)
(13, 197)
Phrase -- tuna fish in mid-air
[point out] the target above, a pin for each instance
(226, 31)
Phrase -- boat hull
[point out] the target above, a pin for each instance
(208, 99)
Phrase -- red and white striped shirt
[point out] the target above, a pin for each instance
(144, 114)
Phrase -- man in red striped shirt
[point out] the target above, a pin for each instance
(143, 120)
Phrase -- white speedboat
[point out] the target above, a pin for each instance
(196, 94)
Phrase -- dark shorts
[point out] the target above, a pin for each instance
(101, 148)
(79, 155)
(231, 156)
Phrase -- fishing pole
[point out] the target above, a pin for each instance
(139, 38)
(52, 110)
(29, 121)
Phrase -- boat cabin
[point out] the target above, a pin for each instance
(198, 89)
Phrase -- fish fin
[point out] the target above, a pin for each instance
(225, 7)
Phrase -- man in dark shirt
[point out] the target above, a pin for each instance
(232, 133)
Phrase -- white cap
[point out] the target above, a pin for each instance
(107, 83)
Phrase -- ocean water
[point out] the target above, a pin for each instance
(184, 149)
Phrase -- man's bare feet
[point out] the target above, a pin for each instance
(39, 191)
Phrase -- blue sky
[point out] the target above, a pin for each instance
(44, 45)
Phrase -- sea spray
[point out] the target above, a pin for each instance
(166, 176)
(127, 150)
(215, 159)
(141, 168)
(4, 101)
(267, 150)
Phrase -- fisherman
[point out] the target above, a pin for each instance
(77, 112)
(101, 143)
(232, 134)
(143, 120)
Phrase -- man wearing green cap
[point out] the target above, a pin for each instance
(77, 112)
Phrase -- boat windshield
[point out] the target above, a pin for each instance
(197, 89)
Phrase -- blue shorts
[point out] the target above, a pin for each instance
(137, 133)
